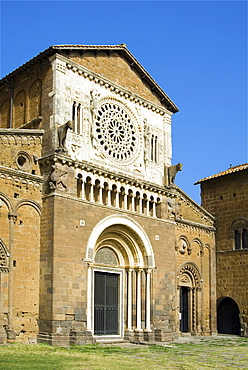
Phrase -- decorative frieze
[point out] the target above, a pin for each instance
(21, 179)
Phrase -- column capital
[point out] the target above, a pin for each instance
(12, 217)
(148, 270)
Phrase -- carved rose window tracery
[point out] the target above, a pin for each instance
(116, 132)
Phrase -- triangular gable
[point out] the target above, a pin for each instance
(116, 62)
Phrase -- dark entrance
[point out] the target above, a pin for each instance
(184, 309)
(228, 317)
(106, 303)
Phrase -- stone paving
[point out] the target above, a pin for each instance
(208, 352)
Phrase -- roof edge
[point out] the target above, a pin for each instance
(229, 171)
(133, 62)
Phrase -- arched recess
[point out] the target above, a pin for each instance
(5, 114)
(228, 316)
(120, 259)
(26, 253)
(189, 296)
(20, 109)
(5, 199)
(28, 202)
(35, 100)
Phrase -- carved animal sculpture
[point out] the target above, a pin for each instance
(62, 132)
(170, 173)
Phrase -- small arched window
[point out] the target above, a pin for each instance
(240, 230)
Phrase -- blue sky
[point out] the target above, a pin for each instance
(195, 50)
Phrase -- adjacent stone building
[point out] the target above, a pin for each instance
(97, 242)
(225, 195)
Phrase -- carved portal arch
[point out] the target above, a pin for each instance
(130, 236)
(191, 270)
(189, 295)
(120, 263)
(4, 258)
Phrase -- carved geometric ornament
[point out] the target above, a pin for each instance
(4, 260)
(192, 271)
(116, 132)
(106, 256)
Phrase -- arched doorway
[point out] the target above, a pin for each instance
(189, 287)
(120, 263)
(228, 317)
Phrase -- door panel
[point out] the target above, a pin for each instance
(106, 303)
(184, 309)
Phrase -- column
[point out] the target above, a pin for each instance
(117, 197)
(154, 209)
(75, 118)
(81, 121)
(133, 199)
(148, 300)
(140, 204)
(138, 301)
(109, 196)
(82, 190)
(147, 207)
(12, 221)
(129, 299)
(100, 193)
(89, 297)
(125, 200)
(91, 192)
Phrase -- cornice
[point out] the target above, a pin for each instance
(20, 174)
(112, 175)
(197, 225)
(20, 131)
(110, 85)
(197, 207)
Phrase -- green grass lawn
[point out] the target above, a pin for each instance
(219, 353)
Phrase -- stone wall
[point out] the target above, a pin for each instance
(20, 197)
(226, 198)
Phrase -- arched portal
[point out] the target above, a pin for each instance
(189, 286)
(120, 263)
(228, 316)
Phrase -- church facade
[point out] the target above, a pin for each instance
(97, 242)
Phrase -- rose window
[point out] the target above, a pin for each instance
(116, 132)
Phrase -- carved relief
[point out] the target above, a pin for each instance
(191, 270)
(57, 179)
(173, 208)
(106, 256)
(183, 245)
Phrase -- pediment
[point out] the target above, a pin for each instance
(116, 63)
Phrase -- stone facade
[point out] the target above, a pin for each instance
(97, 241)
(225, 195)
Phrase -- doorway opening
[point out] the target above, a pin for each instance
(228, 317)
(184, 309)
(106, 303)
